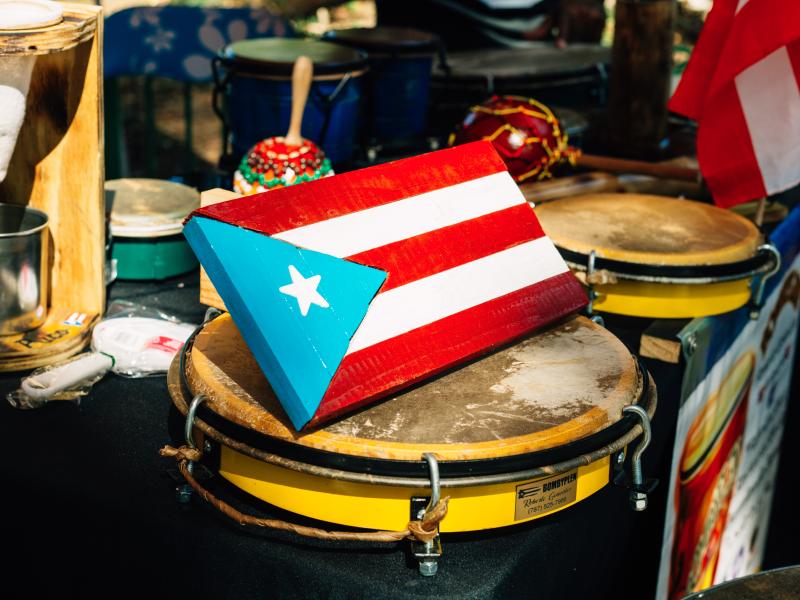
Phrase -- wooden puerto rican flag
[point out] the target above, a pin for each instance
(742, 86)
(349, 288)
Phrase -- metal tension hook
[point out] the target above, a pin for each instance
(185, 490)
(757, 298)
(639, 486)
(593, 295)
(427, 553)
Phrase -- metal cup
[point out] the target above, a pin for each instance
(23, 268)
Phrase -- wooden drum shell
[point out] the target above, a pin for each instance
(657, 235)
(327, 476)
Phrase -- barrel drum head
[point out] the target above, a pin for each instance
(276, 56)
(386, 40)
(555, 398)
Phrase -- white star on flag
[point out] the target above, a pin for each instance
(304, 290)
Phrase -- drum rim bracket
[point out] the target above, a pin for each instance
(639, 487)
(429, 552)
(599, 270)
(757, 298)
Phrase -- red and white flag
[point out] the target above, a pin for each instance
(352, 287)
(742, 87)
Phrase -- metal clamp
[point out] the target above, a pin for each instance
(757, 297)
(639, 486)
(185, 490)
(593, 295)
(211, 314)
(427, 553)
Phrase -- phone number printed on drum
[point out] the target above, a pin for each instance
(544, 495)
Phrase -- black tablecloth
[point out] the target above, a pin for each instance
(89, 510)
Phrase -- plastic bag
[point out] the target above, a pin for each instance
(132, 340)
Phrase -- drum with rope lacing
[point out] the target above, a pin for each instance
(521, 434)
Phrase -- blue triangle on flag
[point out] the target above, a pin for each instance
(268, 285)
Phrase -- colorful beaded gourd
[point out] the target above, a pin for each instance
(272, 164)
(524, 132)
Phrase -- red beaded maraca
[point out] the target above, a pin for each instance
(524, 132)
(277, 161)
(530, 140)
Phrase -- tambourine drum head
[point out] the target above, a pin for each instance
(546, 393)
(146, 226)
(655, 231)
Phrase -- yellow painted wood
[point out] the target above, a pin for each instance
(387, 507)
(667, 301)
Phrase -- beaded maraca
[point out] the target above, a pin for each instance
(524, 132)
(281, 161)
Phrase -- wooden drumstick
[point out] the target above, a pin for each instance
(302, 74)
(640, 167)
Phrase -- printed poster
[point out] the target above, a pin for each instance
(727, 448)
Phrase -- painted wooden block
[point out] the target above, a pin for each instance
(352, 287)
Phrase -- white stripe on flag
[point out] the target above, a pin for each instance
(375, 227)
(449, 292)
(740, 5)
(770, 99)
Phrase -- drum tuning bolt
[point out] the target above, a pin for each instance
(639, 487)
(590, 291)
(427, 553)
(185, 491)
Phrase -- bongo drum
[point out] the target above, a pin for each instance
(573, 77)
(146, 226)
(659, 257)
(518, 435)
(254, 76)
(400, 64)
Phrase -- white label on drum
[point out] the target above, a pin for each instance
(543, 495)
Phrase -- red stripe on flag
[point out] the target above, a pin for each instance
(379, 370)
(436, 251)
(689, 97)
(725, 152)
(291, 207)
(794, 57)
(756, 31)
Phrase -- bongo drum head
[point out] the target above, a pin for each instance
(276, 56)
(649, 230)
(548, 390)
